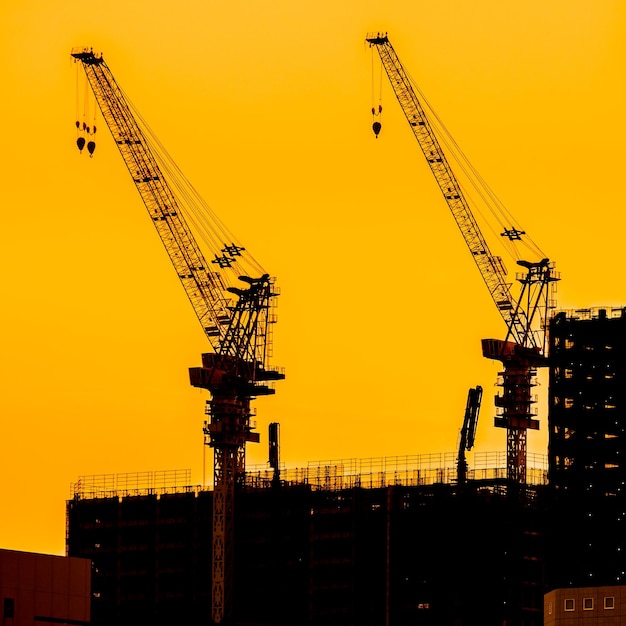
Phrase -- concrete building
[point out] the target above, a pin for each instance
(43, 589)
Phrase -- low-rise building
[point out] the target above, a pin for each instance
(44, 589)
(600, 606)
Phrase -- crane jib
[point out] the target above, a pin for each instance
(231, 328)
(208, 299)
(517, 314)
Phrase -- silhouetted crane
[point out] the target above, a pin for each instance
(236, 318)
(524, 348)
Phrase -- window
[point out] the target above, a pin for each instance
(568, 432)
(587, 604)
(609, 602)
(569, 604)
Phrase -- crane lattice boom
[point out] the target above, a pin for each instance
(236, 329)
(491, 267)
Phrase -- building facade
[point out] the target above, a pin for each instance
(580, 606)
(44, 589)
(587, 449)
(329, 553)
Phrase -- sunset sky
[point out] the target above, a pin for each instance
(265, 106)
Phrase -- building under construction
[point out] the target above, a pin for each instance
(587, 448)
(376, 541)
(383, 541)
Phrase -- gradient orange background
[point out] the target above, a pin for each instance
(266, 108)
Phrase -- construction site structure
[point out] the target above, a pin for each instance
(369, 541)
(346, 541)
(524, 347)
(230, 293)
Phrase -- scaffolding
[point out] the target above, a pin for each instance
(412, 470)
(339, 538)
(408, 471)
(155, 482)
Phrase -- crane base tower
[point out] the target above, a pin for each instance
(232, 384)
(516, 402)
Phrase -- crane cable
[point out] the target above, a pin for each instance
(84, 129)
(377, 110)
(492, 202)
(506, 221)
(80, 118)
(208, 225)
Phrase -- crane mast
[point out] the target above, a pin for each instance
(524, 347)
(236, 319)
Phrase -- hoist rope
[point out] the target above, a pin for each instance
(78, 73)
(490, 200)
(86, 105)
(206, 223)
(376, 110)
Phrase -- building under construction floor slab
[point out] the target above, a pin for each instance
(326, 551)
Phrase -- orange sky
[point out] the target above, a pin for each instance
(266, 108)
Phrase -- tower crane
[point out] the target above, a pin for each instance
(524, 348)
(236, 316)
